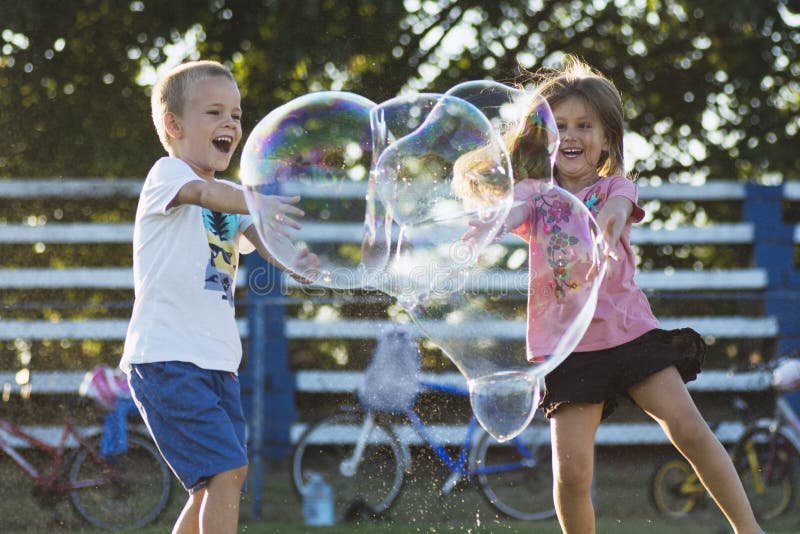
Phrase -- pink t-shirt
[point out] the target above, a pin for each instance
(622, 312)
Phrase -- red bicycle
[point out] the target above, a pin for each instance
(118, 489)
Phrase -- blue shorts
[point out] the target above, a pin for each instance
(195, 417)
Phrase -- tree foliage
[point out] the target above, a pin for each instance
(711, 87)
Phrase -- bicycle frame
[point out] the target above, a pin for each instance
(57, 452)
(459, 465)
(49, 479)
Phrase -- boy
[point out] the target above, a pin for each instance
(182, 349)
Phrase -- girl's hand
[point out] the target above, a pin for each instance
(516, 216)
(477, 228)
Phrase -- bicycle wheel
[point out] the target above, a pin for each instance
(675, 490)
(516, 476)
(123, 491)
(765, 461)
(369, 484)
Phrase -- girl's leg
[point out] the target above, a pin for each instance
(220, 509)
(189, 520)
(665, 398)
(573, 428)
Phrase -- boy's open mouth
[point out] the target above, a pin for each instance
(223, 143)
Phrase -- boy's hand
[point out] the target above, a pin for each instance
(278, 212)
(305, 262)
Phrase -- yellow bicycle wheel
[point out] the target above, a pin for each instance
(675, 489)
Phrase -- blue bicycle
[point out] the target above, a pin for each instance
(360, 453)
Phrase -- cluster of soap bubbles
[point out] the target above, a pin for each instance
(435, 176)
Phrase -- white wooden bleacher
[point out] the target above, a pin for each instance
(54, 382)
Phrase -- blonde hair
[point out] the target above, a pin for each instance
(578, 79)
(169, 92)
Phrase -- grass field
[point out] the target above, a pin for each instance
(621, 497)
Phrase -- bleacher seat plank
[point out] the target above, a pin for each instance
(722, 233)
(79, 188)
(122, 278)
(110, 329)
(615, 434)
(78, 277)
(317, 381)
(104, 187)
(609, 434)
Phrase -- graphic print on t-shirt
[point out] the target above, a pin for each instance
(594, 200)
(221, 269)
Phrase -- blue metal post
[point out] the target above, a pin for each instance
(773, 250)
(267, 380)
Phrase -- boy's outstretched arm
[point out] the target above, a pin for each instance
(216, 196)
(227, 198)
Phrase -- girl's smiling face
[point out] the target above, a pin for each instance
(583, 142)
(209, 129)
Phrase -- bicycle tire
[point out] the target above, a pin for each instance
(773, 493)
(136, 485)
(516, 476)
(666, 489)
(379, 477)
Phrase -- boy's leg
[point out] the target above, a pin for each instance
(665, 398)
(189, 520)
(220, 508)
(573, 428)
(215, 507)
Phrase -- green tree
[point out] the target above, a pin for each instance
(713, 90)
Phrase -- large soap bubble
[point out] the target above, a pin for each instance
(435, 176)
(476, 325)
(522, 118)
(419, 142)
(317, 146)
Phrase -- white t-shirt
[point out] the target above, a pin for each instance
(184, 271)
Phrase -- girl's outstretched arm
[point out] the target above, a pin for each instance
(612, 220)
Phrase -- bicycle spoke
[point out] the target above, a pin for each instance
(122, 491)
(363, 466)
(516, 477)
(675, 489)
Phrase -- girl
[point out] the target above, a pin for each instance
(623, 353)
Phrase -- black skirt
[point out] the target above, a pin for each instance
(602, 376)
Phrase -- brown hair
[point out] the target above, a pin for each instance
(169, 92)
